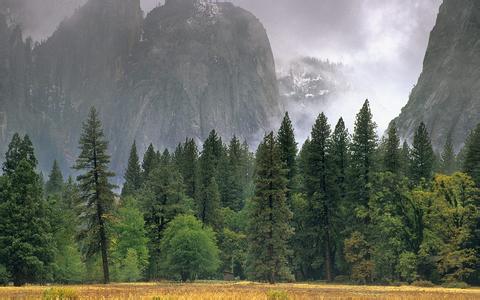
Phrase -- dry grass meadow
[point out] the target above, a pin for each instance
(233, 291)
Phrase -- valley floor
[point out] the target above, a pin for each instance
(233, 291)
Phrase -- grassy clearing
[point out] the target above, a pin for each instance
(233, 291)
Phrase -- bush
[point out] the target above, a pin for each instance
(422, 283)
(4, 276)
(189, 250)
(60, 294)
(456, 285)
(407, 266)
(277, 295)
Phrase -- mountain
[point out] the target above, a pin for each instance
(307, 85)
(447, 95)
(190, 66)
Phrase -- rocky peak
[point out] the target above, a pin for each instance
(446, 97)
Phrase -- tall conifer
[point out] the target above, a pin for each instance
(96, 190)
(133, 174)
(269, 228)
(422, 156)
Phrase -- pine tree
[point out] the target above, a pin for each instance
(340, 142)
(54, 184)
(391, 159)
(96, 190)
(405, 159)
(150, 162)
(133, 174)
(448, 159)
(321, 193)
(236, 180)
(163, 198)
(212, 153)
(186, 158)
(471, 164)
(422, 156)
(269, 228)
(26, 242)
(288, 147)
(364, 143)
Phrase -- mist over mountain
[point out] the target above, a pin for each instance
(189, 67)
(446, 96)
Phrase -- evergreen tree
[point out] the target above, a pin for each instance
(340, 142)
(26, 242)
(448, 159)
(54, 184)
(319, 182)
(163, 198)
(391, 159)
(405, 159)
(422, 156)
(133, 174)
(150, 162)
(364, 143)
(236, 180)
(212, 153)
(288, 147)
(471, 161)
(96, 191)
(186, 159)
(269, 228)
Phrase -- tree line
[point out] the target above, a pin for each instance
(343, 208)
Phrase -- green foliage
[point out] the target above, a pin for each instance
(26, 242)
(452, 212)
(288, 149)
(4, 275)
(391, 159)
(448, 163)
(60, 294)
(277, 295)
(163, 198)
(422, 157)
(130, 242)
(322, 194)
(363, 148)
(269, 228)
(133, 174)
(407, 266)
(186, 160)
(150, 162)
(96, 196)
(189, 250)
(208, 197)
(358, 253)
(54, 184)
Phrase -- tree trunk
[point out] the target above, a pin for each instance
(101, 223)
(328, 257)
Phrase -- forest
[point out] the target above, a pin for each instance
(345, 207)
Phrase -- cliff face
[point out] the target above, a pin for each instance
(447, 95)
(189, 67)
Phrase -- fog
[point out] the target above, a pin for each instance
(382, 41)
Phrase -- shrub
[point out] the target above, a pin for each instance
(422, 283)
(407, 266)
(277, 295)
(4, 276)
(60, 294)
(189, 250)
(456, 285)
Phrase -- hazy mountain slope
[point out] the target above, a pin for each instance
(447, 95)
(187, 68)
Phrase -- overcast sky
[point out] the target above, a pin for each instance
(384, 41)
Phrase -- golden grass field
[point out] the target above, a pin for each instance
(241, 290)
